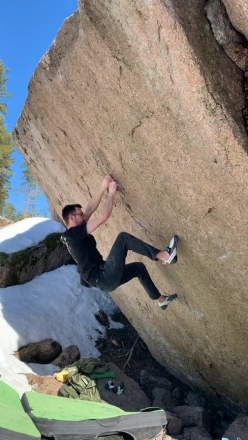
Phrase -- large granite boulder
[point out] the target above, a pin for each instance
(141, 89)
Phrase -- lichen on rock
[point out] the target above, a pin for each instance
(3, 258)
(22, 266)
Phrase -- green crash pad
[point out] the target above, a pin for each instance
(15, 424)
(80, 419)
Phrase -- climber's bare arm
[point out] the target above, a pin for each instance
(106, 210)
(94, 202)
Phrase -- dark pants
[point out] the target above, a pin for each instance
(115, 272)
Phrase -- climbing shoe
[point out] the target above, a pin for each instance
(118, 389)
(168, 299)
(172, 251)
(110, 385)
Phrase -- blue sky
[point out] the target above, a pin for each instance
(27, 30)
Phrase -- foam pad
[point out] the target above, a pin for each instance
(65, 419)
(15, 424)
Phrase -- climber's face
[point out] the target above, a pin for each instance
(78, 217)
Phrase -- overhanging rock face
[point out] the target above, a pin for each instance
(141, 89)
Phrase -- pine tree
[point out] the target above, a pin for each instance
(6, 143)
(6, 149)
(3, 88)
(29, 186)
(10, 212)
(31, 190)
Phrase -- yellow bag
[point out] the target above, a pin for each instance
(63, 375)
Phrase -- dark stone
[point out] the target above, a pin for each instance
(163, 398)
(193, 415)
(102, 318)
(176, 393)
(193, 399)
(146, 378)
(67, 357)
(222, 27)
(238, 429)
(196, 433)
(174, 425)
(43, 352)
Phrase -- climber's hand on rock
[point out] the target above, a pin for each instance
(112, 187)
(105, 182)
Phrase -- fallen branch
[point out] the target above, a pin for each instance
(130, 353)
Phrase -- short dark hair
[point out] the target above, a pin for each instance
(69, 209)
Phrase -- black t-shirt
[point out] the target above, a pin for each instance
(82, 247)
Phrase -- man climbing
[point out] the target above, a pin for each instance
(108, 275)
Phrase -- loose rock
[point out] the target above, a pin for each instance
(239, 428)
(42, 352)
(193, 399)
(163, 398)
(67, 357)
(193, 415)
(146, 378)
(174, 425)
(196, 433)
